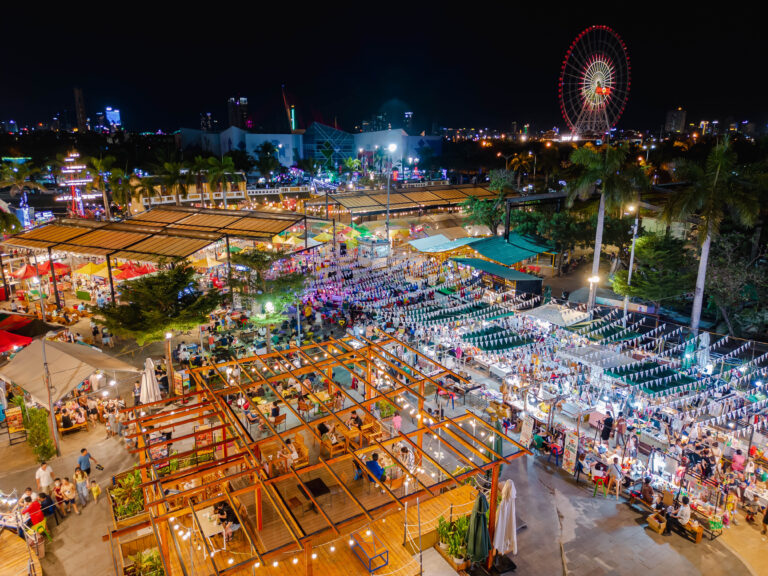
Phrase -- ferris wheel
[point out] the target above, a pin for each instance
(594, 81)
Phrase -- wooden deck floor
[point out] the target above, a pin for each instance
(342, 561)
(14, 558)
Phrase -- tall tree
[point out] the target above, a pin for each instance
(199, 168)
(604, 170)
(155, 304)
(173, 178)
(500, 180)
(484, 212)
(20, 178)
(147, 187)
(563, 230)
(714, 190)
(123, 187)
(99, 169)
(663, 270)
(519, 164)
(220, 173)
(259, 285)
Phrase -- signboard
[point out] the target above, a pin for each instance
(157, 452)
(526, 432)
(570, 452)
(15, 420)
(180, 382)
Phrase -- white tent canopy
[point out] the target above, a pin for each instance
(68, 365)
(596, 356)
(557, 314)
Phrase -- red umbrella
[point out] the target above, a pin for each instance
(126, 274)
(10, 341)
(146, 269)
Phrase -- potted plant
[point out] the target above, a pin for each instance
(455, 545)
(127, 498)
(443, 532)
(146, 563)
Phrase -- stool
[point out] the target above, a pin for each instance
(42, 528)
(601, 481)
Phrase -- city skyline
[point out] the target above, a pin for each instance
(446, 71)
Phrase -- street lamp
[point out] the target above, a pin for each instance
(506, 157)
(631, 208)
(169, 361)
(535, 157)
(593, 281)
(392, 147)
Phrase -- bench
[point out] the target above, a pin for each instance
(72, 428)
(695, 533)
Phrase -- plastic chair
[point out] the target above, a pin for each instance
(601, 481)
(42, 528)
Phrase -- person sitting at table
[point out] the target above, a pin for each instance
(646, 493)
(66, 419)
(289, 452)
(327, 432)
(275, 412)
(227, 519)
(406, 458)
(79, 416)
(354, 420)
(260, 391)
(375, 468)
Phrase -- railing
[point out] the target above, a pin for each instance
(230, 195)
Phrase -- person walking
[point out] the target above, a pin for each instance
(621, 430)
(605, 433)
(81, 484)
(44, 478)
(69, 491)
(84, 461)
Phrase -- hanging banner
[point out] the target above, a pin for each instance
(526, 431)
(570, 452)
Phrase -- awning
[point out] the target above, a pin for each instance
(69, 364)
(556, 314)
(496, 269)
(439, 243)
(517, 249)
(10, 341)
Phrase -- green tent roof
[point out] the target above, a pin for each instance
(495, 269)
(517, 249)
(439, 243)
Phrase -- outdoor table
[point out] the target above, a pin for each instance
(209, 523)
(352, 436)
(316, 488)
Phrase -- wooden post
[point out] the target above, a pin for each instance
(259, 518)
(492, 514)
(53, 278)
(5, 282)
(111, 283)
(308, 557)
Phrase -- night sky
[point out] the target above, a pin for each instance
(456, 67)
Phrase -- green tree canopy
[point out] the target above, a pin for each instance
(663, 270)
(152, 305)
(484, 212)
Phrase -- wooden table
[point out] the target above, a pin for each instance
(15, 556)
(352, 436)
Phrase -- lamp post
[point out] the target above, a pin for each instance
(169, 362)
(631, 259)
(535, 158)
(46, 371)
(507, 158)
(392, 147)
(593, 281)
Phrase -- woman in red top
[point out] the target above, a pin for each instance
(35, 512)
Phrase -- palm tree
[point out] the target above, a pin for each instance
(18, 178)
(199, 167)
(605, 170)
(123, 187)
(146, 187)
(99, 168)
(172, 178)
(220, 172)
(714, 189)
(518, 164)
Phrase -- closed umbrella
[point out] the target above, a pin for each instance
(150, 389)
(478, 539)
(505, 536)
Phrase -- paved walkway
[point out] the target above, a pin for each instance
(570, 532)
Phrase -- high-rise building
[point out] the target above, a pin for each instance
(113, 119)
(82, 119)
(408, 122)
(675, 121)
(207, 123)
(237, 109)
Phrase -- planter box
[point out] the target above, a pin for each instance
(463, 565)
(124, 522)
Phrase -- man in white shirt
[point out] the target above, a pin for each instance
(679, 518)
(615, 475)
(44, 478)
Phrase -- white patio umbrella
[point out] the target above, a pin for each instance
(150, 389)
(505, 536)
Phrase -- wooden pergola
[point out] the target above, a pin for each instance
(299, 516)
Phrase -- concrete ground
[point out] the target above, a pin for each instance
(570, 532)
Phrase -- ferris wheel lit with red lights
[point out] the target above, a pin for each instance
(594, 82)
